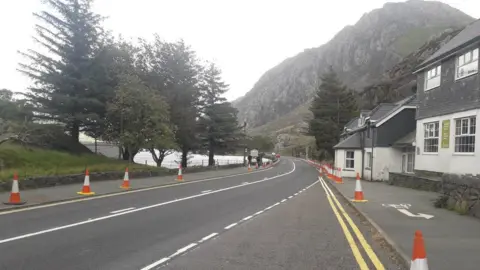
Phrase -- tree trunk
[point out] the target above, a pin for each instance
(184, 157)
(129, 154)
(211, 155)
(75, 131)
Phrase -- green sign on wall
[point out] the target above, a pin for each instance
(445, 133)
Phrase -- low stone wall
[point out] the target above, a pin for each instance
(415, 182)
(460, 193)
(50, 181)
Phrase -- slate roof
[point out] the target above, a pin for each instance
(408, 101)
(353, 123)
(407, 140)
(469, 35)
(352, 142)
(381, 110)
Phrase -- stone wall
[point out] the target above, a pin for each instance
(460, 193)
(415, 182)
(49, 181)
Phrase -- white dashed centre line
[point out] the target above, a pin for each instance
(206, 191)
(122, 210)
(258, 213)
(208, 237)
(247, 218)
(230, 226)
(284, 200)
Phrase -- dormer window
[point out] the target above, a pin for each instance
(467, 64)
(433, 77)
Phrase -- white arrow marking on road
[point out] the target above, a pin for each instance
(408, 213)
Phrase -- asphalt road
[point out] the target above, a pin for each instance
(153, 228)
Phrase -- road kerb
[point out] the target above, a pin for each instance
(401, 255)
(79, 199)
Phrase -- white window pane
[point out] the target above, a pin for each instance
(461, 60)
(475, 54)
(468, 57)
(439, 70)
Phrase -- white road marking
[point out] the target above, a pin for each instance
(129, 192)
(275, 204)
(208, 237)
(247, 218)
(135, 210)
(182, 250)
(295, 194)
(290, 197)
(284, 200)
(231, 226)
(122, 210)
(244, 183)
(206, 191)
(258, 213)
(150, 266)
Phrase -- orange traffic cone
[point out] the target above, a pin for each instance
(126, 180)
(180, 175)
(86, 185)
(249, 167)
(358, 191)
(15, 193)
(339, 177)
(419, 255)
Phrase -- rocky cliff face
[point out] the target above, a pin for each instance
(361, 54)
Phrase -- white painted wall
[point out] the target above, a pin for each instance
(340, 162)
(385, 160)
(446, 160)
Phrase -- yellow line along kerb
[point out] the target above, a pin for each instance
(368, 249)
(356, 252)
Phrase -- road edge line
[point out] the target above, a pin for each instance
(26, 207)
(393, 247)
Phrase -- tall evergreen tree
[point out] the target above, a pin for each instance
(333, 107)
(219, 130)
(70, 36)
(180, 76)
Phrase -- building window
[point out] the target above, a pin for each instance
(467, 64)
(430, 144)
(368, 160)
(350, 160)
(465, 129)
(433, 78)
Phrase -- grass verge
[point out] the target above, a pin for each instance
(35, 162)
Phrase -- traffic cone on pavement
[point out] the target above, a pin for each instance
(419, 255)
(86, 185)
(358, 191)
(339, 177)
(15, 193)
(180, 176)
(126, 180)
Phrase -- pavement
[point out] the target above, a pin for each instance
(69, 192)
(452, 241)
(281, 218)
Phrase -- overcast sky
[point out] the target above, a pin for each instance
(245, 38)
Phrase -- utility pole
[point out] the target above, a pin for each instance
(245, 143)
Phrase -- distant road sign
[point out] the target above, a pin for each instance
(254, 153)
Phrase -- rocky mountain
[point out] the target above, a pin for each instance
(382, 44)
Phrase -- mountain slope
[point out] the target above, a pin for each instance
(360, 54)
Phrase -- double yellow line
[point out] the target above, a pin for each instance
(337, 209)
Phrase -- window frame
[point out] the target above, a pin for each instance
(473, 55)
(468, 134)
(349, 159)
(429, 134)
(433, 74)
(369, 160)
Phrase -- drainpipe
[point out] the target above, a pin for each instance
(371, 160)
(362, 146)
